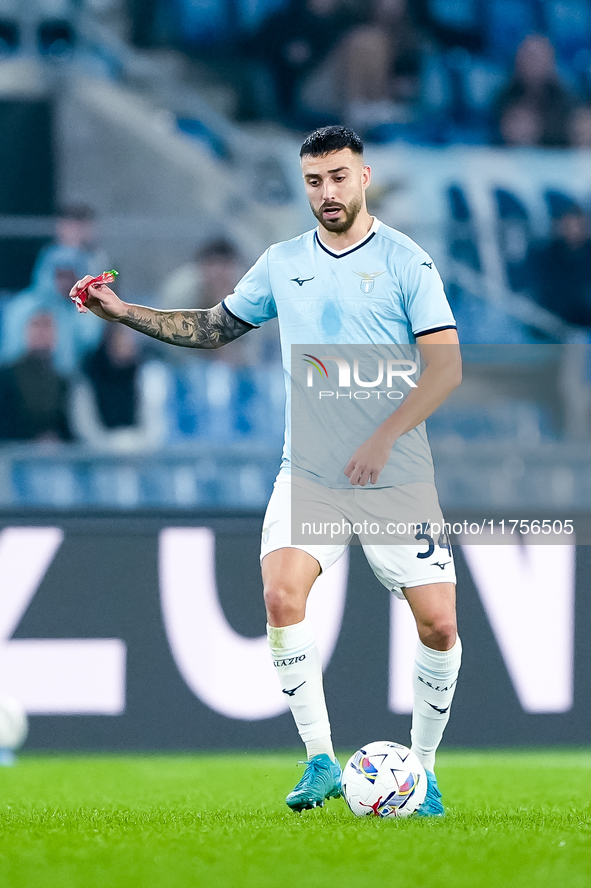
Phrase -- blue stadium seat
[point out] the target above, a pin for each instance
(504, 420)
(38, 483)
(259, 405)
(56, 38)
(466, 86)
(483, 80)
(215, 402)
(514, 234)
(204, 22)
(10, 37)
(203, 133)
(252, 12)
(558, 203)
(460, 210)
(463, 244)
(186, 407)
(568, 24)
(220, 390)
(507, 23)
(509, 206)
(482, 322)
(461, 15)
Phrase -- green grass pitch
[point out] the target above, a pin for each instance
(519, 819)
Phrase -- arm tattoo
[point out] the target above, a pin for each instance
(198, 328)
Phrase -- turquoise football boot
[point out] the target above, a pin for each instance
(432, 806)
(321, 780)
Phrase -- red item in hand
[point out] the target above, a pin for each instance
(107, 277)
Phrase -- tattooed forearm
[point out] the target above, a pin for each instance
(199, 328)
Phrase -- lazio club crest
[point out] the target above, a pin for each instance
(368, 280)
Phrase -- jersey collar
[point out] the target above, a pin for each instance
(338, 254)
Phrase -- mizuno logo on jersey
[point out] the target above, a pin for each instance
(368, 280)
(301, 281)
(428, 264)
(267, 530)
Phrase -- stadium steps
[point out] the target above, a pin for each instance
(159, 191)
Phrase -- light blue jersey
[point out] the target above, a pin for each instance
(383, 290)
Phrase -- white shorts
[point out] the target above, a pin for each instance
(402, 558)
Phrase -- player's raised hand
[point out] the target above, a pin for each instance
(369, 459)
(98, 298)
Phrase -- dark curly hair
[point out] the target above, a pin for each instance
(331, 138)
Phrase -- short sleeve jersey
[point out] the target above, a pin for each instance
(383, 290)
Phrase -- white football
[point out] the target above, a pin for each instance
(13, 723)
(384, 779)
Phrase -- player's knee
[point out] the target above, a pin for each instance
(439, 634)
(283, 604)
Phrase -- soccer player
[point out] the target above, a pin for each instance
(315, 285)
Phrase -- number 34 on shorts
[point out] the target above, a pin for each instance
(403, 547)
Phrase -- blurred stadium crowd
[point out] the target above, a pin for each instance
(515, 74)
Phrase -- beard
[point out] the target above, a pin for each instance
(339, 226)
